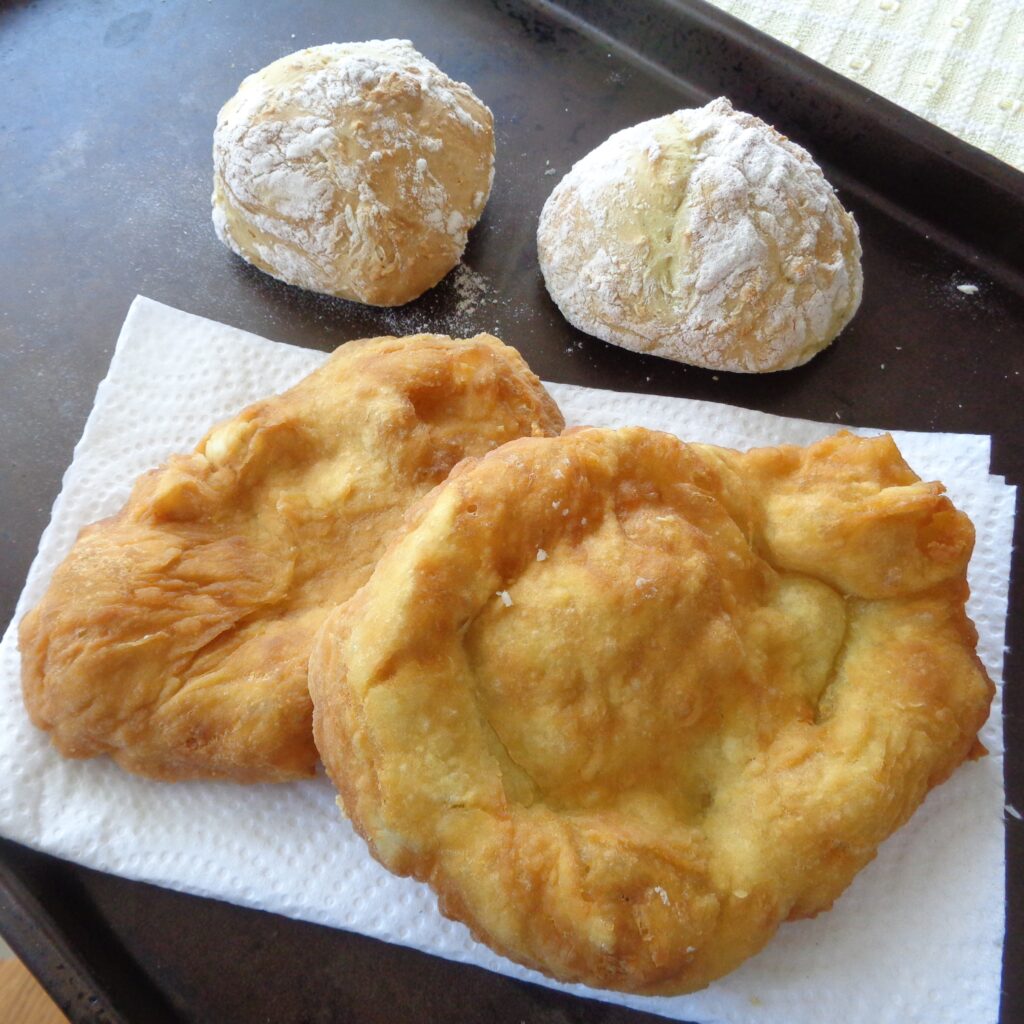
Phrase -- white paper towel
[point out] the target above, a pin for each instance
(918, 936)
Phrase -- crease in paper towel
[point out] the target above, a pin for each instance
(917, 936)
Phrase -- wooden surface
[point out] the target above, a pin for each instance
(22, 1001)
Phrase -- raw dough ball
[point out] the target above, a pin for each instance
(355, 169)
(703, 236)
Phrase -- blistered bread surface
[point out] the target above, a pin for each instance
(175, 635)
(354, 169)
(628, 704)
(706, 237)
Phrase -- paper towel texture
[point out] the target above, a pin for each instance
(917, 937)
(956, 63)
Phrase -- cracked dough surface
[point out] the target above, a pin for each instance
(175, 635)
(706, 237)
(353, 169)
(629, 704)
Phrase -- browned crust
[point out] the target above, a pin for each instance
(617, 797)
(175, 635)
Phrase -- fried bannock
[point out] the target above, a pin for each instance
(628, 704)
(175, 635)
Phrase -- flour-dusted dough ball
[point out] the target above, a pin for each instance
(703, 236)
(355, 169)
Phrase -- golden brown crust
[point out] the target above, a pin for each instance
(175, 635)
(628, 704)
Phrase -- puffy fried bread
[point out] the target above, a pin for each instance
(175, 636)
(628, 704)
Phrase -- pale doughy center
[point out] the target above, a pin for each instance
(620, 725)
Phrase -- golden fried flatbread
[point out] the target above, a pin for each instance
(176, 634)
(628, 704)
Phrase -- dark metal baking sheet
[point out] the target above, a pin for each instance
(105, 128)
